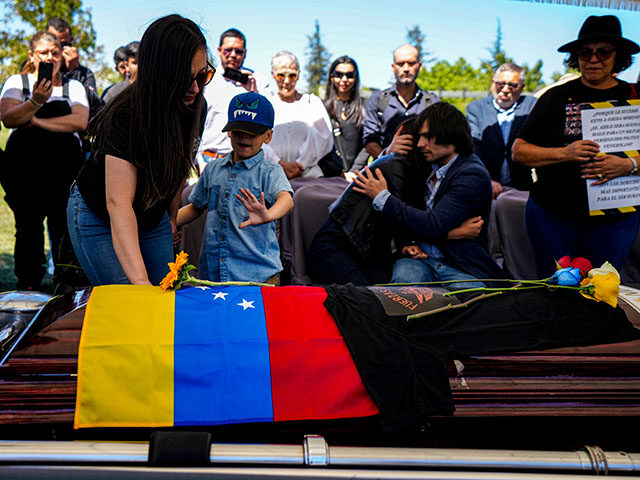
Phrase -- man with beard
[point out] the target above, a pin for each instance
(386, 109)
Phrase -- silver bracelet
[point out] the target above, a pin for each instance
(634, 170)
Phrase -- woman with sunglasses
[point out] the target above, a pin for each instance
(302, 129)
(43, 155)
(346, 111)
(122, 210)
(557, 213)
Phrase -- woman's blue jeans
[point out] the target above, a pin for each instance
(93, 244)
(598, 239)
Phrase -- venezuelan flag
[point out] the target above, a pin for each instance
(213, 355)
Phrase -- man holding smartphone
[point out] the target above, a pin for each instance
(231, 78)
(71, 67)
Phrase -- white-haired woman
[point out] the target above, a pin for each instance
(302, 130)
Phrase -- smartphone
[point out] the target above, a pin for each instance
(45, 72)
(236, 75)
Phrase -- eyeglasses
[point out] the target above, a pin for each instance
(290, 76)
(601, 53)
(349, 75)
(511, 85)
(204, 76)
(55, 52)
(238, 51)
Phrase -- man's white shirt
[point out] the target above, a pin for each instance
(218, 94)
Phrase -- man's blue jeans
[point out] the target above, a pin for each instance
(93, 244)
(409, 270)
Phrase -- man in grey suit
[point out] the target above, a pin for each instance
(495, 121)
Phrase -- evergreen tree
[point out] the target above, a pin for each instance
(416, 38)
(318, 60)
(33, 15)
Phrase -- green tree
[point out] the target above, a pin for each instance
(416, 38)
(23, 18)
(457, 76)
(532, 75)
(498, 55)
(318, 58)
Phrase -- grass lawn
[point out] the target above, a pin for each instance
(7, 232)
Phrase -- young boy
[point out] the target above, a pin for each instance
(230, 250)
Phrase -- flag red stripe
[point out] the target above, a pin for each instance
(312, 373)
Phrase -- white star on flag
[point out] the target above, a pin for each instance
(217, 295)
(202, 287)
(245, 304)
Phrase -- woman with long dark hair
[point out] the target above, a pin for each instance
(43, 154)
(345, 107)
(122, 211)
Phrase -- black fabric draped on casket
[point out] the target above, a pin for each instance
(403, 364)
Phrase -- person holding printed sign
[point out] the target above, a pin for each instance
(557, 213)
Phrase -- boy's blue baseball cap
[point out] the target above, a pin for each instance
(251, 113)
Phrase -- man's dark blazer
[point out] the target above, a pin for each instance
(465, 192)
(488, 141)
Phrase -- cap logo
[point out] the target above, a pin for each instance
(251, 106)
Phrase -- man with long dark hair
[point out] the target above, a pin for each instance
(458, 187)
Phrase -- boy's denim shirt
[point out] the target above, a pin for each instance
(229, 253)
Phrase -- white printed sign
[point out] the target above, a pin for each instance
(616, 193)
(615, 129)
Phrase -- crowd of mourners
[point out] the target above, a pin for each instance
(416, 182)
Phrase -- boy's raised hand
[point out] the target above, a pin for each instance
(258, 213)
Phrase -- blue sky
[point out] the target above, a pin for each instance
(369, 30)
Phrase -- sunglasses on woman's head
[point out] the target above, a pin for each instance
(601, 53)
(282, 76)
(204, 76)
(349, 75)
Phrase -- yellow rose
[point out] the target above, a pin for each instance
(605, 287)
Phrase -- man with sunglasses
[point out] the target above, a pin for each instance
(495, 122)
(231, 78)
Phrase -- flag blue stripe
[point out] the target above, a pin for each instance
(222, 372)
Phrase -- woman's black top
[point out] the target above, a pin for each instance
(91, 180)
(555, 121)
(349, 142)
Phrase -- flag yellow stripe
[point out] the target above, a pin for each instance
(135, 323)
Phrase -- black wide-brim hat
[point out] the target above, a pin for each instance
(601, 29)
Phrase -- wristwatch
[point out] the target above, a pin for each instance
(634, 170)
